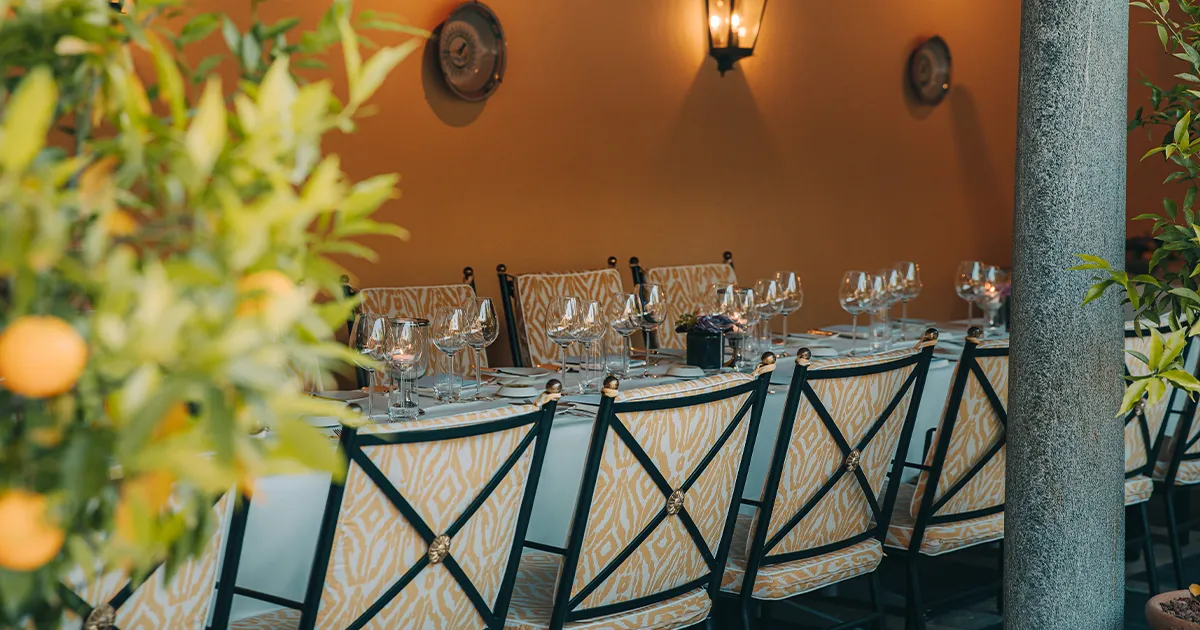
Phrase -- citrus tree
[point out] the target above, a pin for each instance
(165, 275)
(1168, 293)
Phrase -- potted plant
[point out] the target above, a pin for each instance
(705, 339)
(1176, 610)
(166, 279)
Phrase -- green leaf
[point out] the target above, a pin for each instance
(1176, 342)
(1133, 393)
(378, 67)
(350, 52)
(199, 27)
(1171, 207)
(280, 27)
(1156, 349)
(1096, 290)
(1162, 37)
(233, 37)
(207, 134)
(1186, 293)
(1182, 379)
(1139, 356)
(1181, 127)
(206, 66)
(1096, 260)
(251, 55)
(170, 81)
(27, 119)
(1146, 215)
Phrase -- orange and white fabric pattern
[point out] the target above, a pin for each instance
(625, 500)
(423, 302)
(374, 544)
(813, 457)
(939, 539)
(183, 603)
(977, 428)
(686, 288)
(536, 293)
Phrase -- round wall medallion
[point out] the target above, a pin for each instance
(472, 53)
(929, 71)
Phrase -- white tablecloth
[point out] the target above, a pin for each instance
(285, 514)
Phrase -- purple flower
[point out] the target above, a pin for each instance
(713, 323)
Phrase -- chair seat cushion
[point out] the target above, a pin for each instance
(533, 601)
(282, 619)
(1189, 469)
(788, 579)
(941, 538)
(1138, 489)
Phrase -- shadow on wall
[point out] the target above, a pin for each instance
(979, 173)
(449, 108)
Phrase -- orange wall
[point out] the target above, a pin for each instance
(613, 134)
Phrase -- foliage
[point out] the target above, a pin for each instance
(186, 234)
(1168, 292)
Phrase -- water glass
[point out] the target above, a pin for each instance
(482, 329)
(563, 327)
(406, 350)
(625, 318)
(791, 295)
(653, 312)
(366, 339)
(967, 280)
(449, 336)
(854, 294)
(910, 288)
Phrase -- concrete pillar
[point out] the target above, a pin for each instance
(1064, 522)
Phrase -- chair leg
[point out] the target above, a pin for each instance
(915, 606)
(745, 606)
(877, 600)
(1173, 535)
(1000, 590)
(1148, 549)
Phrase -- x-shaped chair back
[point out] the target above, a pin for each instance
(421, 302)
(688, 287)
(655, 516)
(111, 601)
(427, 526)
(842, 425)
(1145, 423)
(963, 476)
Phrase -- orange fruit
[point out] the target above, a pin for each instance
(257, 290)
(150, 491)
(176, 420)
(27, 540)
(41, 356)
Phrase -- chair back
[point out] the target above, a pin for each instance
(686, 288)
(1146, 422)
(843, 423)
(655, 515)
(963, 475)
(535, 294)
(181, 602)
(426, 528)
(422, 302)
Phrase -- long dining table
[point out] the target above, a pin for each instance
(285, 515)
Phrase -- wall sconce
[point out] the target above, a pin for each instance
(733, 29)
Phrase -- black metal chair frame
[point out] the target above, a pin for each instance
(566, 608)
(352, 444)
(508, 301)
(915, 610)
(637, 273)
(759, 554)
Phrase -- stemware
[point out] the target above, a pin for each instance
(910, 288)
(481, 331)
(591, 329)
(406, 348)
(744, 314)
(967, 279)
(652, 304)
(990, 294)
(449, 336)
(791, 294)
(366, 338)
(722, 296)
(625, 317)
(770, 304)
(879, 303)
(853, 296)
(563, 327)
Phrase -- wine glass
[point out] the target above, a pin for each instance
(563, 327)
(591, 329)
(878, 305)
(854, 295)
(481, 331)
(722, 296)
(653, 306)
(366, 338)
(910, 288)
(770, 304)
(405, 348)
(968, 277)
(791, 294)
(625, 317)
(449, 336)
(990, 294)
(744, 314)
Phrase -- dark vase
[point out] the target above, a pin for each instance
(704, 350)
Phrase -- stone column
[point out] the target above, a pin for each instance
(1064, 522)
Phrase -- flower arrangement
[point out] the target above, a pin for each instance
(712, 324)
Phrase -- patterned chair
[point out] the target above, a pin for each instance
(183, 603)
(654, 520)
(527, 300)
(426, 530)
(957, 500)
(421, 302)
(826, 502)
(686, 287)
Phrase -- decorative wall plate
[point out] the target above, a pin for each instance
(471, 50)
(929, 71)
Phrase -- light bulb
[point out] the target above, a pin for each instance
(714, 22)
(742, 32)
(736, 20)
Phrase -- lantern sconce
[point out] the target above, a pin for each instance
(733, 27)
